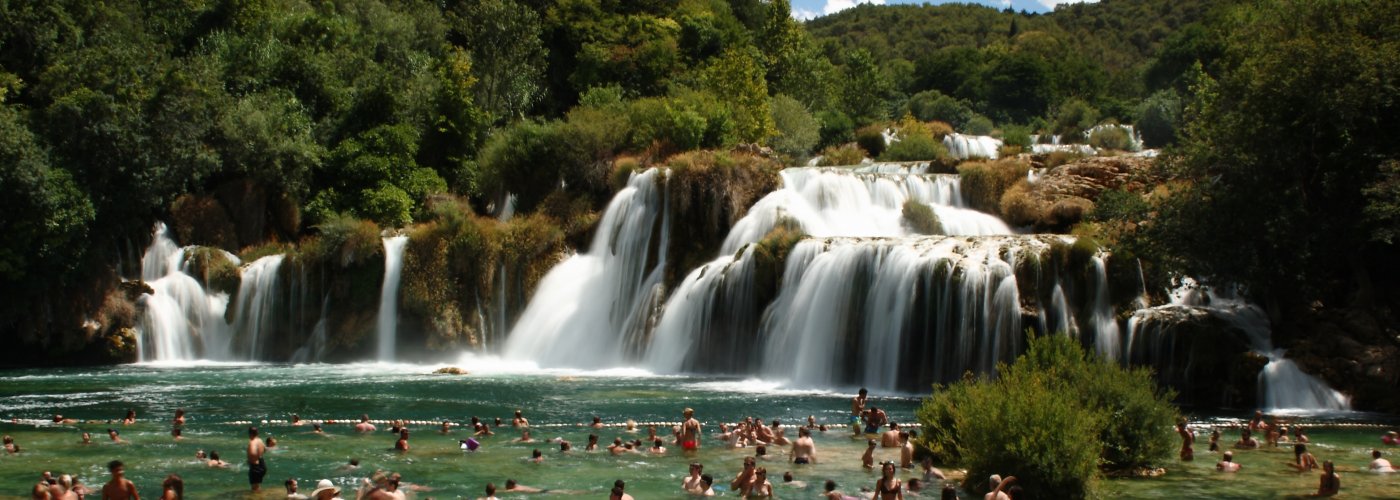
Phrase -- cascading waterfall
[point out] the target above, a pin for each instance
(256, 307)
(387, 322)
(964, 147)
(315, 348)
(583, 309)
(179, 321)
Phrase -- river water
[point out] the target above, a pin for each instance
(221, 398)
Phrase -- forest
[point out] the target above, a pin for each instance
(257, 125)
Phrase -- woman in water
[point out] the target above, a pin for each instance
(1302, 460)
(173, 488)
(888, 487)
(1331, 483)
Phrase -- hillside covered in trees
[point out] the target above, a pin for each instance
(260, 126)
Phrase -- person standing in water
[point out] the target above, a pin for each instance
(1188, 438)
(857, 409)
(1330, 484)
(690, 431)
(804, 450)
(121, 488)
(257, 466)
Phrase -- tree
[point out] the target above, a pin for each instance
(1158, 117)
(737, 80)
(865, 90)
(508, 56)
(797, 131)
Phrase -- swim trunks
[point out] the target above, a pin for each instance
(257, 471)
(801, 460)
(690, 445)
(870, 429)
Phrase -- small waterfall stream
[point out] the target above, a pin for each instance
(387, 322)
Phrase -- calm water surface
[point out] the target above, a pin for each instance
(220, 399)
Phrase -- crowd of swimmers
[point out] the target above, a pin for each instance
(752, 481)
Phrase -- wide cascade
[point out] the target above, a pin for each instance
(585, 306)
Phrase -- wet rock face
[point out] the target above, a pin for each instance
(1205, 359)
(1064, 195)
(1350, 349)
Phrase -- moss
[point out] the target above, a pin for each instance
(919, 218)
(214, 269)
(622, 169)
(770, 259)
(845, 154)
(256, 252)
(708, 192)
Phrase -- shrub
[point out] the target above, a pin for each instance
(845, 154)
(797, 131)
(1053, 418)
(938, 129)
(1067, 211)
(1119, 205)
(1016, 135)
(1071, 120)
(932, 105)
(836, 128)
(979, 125)
(1115, 138)
(920, 147)
(921, 219)
(1158, 117)
(387, 205)
(1018, 208)
(983, 183)
(871, 138)
(1058, 158)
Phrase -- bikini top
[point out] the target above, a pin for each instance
(887, 488)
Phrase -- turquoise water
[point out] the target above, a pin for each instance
(218, 398)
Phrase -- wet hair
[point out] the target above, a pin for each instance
(316, 426)
(950, 492)
(872, 443)
(913, 482)
(830, 485)
(597, 419)
(565, 446)
(1299, 448)
(490, 489)
(114, 465)
(707, 479)
(289, 483)
(355, 462)
(616, 492)
(252, 432)
(776, 423)
(658, 442)
(619, 484)
(787, 477)
(510, 483)
(1375, 453)
(863, 391)
(803, 431)
(761, 450)
(213, 455)
(173, 482)
(593, 438)
(109, 431)
(537, 453)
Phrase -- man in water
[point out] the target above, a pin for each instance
(112, 434)
(690, 431)
(1188, 438)
(906, 450)
(364, 425)
(621, 487)
(691, 483)
(490, 492)
(291, 485)
(119, 488)
(804, 450)
(519, 420)
(745, 478)
(656, 448)
(890, 439)
(1379, 464)
(1227, 463)
(874, 420)
(857, 409)
(1247, 441)
(868, 459)
(402, 444)
(514, 487)
(257, 467)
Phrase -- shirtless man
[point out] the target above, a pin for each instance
(690, 431)
(691, 484)
(621, 487)
(874, 419)
(1188, 438)
(812, 422)
(857, 410)
(1303, 461)
(906, 450)
(745, 479)
(779, 435)
(446, 428)
(524, 437)
(514, 487)
(1227, 463)
(257, 467)
(364, 425)
(657, 449)
(112, 434)
(296, 420)
(868, 459)
(59, 420)
(402, 444)
(890, 439)
(597, 422)
(119, 488)
(519, 420)
(1247, 441)
(804, 450)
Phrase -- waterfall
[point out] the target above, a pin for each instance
(255, 310)
(179, 320)
(387, 325)
(1282, 385)
(964, 147)
(1107, 341)
(315, 347)
(584, 307)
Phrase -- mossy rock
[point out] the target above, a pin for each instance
(450, 370)
(212, 267)
(920, 218)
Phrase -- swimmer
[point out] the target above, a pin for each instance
(857, 410)
(519, 420)
(514, 487)
(1215, 440)
(707, 486)
(446, 428)
(657, 449)
(215, 461)
(761, 452)
(745, 478)
(592, 443)
(821, 428)
(868, 459)
(71, 491)
(1302, 460)
(1227, 463)
(1298, 436)
(199, 455)
(130, 417)
(490, 492)
(931, 472)
(631, 426)
(173, 488)
(1188, 438)
(998, 484)
(651, 432)
(176, 433)
(291, 485)
(804, 450)
(789, 482)
(112, 435)
(875, 418)
(1390, 439)
(354, 465)
(10, 446)
(888, 486)
(831, 493)
(565, 446)
(890, 439)
(689, 436)
(760, 487)
(87, 438)
(537, 456)
(179, 417)
(1330, 483)
(483, 430)
(906, 450)
(271, 443)
(1257, 424)
(616, 447)
(59, 420)
(1247, 441)
(257, 467)
(812, 422)
(316, 429)
(498, 421)
(1379, 464)
(119, 487)
(621, 488)
(691, 483)
(915, 486)
(402, 444)
(779, 436)
(597, 422)
(364, 425)
(524, 437)
(296, 420)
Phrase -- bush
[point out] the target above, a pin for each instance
(1158, 117)
(1018, 208)
(797, 131)
(1071, 120)
(1016, 135)
(871, 138)
(1067, 211)
(1058, 158)
(920, 147)
(836, 128)
(1119, 205)
(979, 125)
(932, 105)
(845, 154)
(983, 183)
(387, 205)
(1115, 138)
(920, 218)
(1053, 419)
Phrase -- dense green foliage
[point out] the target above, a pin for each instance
(1053, 418)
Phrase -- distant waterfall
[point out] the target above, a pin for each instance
(257, 305)
(386, 329)
(583, 308)
(179, 320)
(964, 147)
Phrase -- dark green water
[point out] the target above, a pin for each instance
(557, 404)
